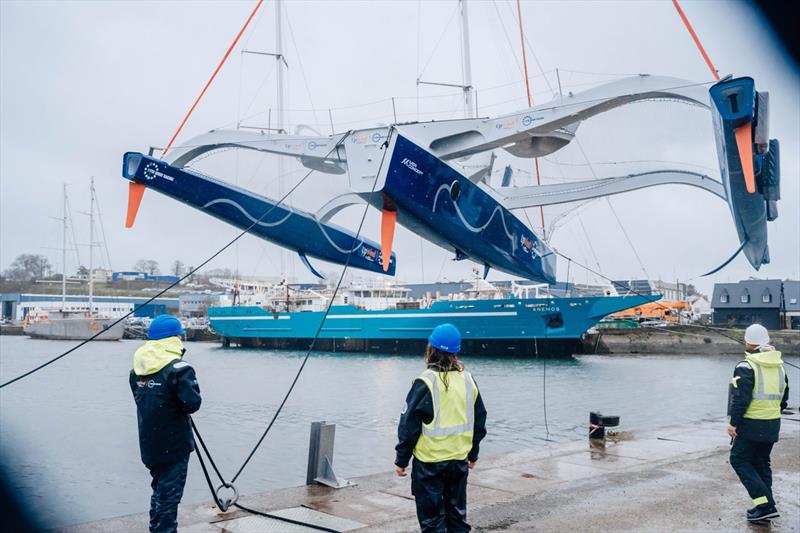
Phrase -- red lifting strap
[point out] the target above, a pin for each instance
(696, 39)
(214, 75)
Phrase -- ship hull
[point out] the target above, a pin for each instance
(508, 327)
(75, 329)
(522, 348)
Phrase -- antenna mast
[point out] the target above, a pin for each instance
(469, 108)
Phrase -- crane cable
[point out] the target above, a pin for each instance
(530, 104)
(191, 272)
(696, 40)
(213, 75)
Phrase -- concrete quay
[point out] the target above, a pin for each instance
(672, 479)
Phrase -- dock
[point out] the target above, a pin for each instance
(676, 478)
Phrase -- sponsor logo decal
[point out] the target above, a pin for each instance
(506, 124)
(369, 253)
(149, 384)
(412, 166)
(527, 120)
(377, 137)
(152, 172)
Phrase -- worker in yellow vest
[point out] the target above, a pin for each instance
(441, 425)
(758, 392)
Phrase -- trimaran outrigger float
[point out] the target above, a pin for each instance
(431, 178)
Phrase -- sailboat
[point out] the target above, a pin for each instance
(74, 323)
(412, 173)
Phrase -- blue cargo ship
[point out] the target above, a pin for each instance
(517, 327)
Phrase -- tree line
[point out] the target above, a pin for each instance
(30, 267)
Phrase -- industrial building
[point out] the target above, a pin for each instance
(15, 305)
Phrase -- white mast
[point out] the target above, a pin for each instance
(279, 114)
(280, 60)
(64, 252)
(469, 108)
(91, 247)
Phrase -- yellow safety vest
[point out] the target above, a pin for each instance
(770, 382)
(449, 435)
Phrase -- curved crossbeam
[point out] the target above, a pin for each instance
(532, 132)
(336, 204)
(561, 193)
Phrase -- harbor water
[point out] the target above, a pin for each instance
(68, 434)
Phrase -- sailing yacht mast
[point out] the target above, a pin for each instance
(91, 248)
(466, 72)
(281, 63)
(64, 250)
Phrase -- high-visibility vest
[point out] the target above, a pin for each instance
(449, 434)
(770, 382)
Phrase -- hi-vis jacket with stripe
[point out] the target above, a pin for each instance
(758, 392)
(441, 423)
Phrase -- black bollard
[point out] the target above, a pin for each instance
(598, 424)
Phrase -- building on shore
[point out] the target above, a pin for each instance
(791, 302)
(670, 290)
(196, 304)
(634, 286)
(749, 301)
(16, 306)
(700, 308)
(142, 276)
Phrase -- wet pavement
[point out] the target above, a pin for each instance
(671, 479)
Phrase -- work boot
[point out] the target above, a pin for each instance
(762, 512)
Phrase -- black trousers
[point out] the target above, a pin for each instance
(168, 482)
(750, 461)
(440, 492)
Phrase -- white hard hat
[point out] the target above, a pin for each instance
(756, 335)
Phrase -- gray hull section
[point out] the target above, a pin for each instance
(75, 329)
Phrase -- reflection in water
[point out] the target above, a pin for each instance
(72, 428)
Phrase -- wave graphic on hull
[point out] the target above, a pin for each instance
(477, 229)
(336, 246)
(244, 211)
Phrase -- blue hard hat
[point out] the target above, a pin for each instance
(446, 338)
(164, 326)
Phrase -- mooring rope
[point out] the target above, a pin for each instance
(223, 505)
(178, 281)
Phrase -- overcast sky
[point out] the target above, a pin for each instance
(83, 82)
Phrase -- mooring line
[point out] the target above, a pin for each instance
(177, 282)
(223, 506)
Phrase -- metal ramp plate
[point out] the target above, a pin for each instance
(261, 524)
